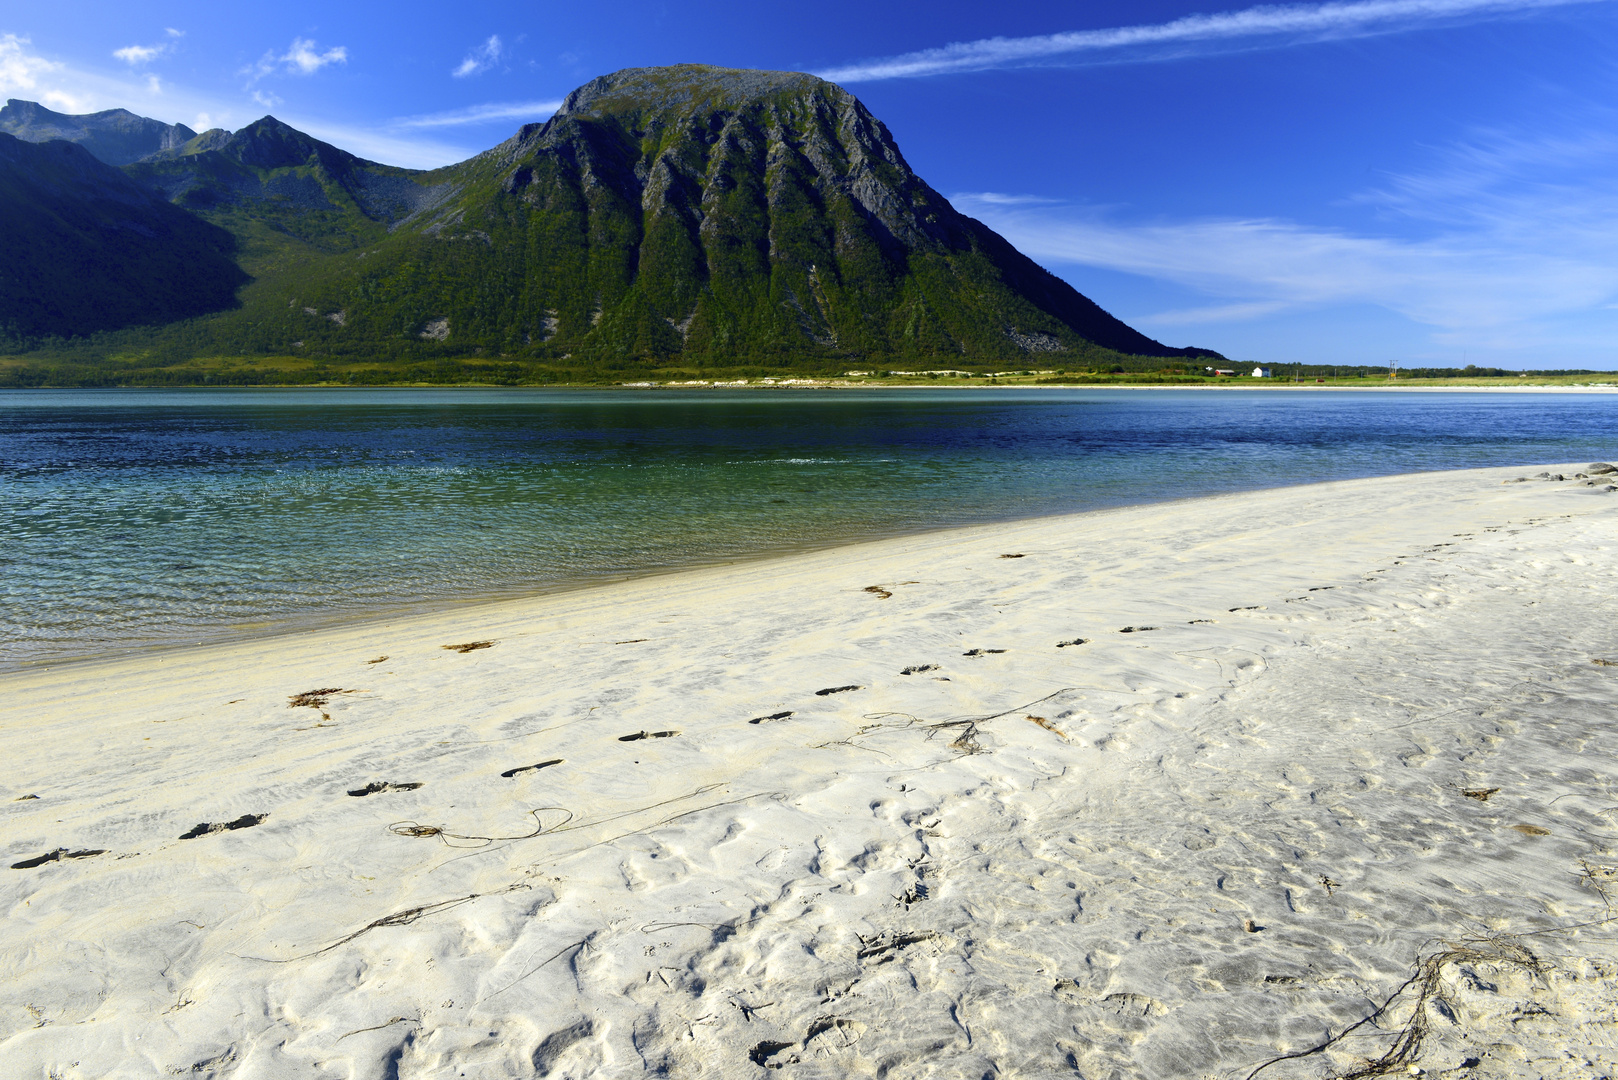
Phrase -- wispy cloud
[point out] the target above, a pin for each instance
(482, 114)
(139, 54)
(302, 58)
(415, 151)
(481, 58)
(20, 69)
(305, 57)
(1527, 256)
(1280, 24)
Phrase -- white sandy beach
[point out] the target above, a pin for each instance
(1168, 791)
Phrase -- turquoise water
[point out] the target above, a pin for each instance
(138, 518)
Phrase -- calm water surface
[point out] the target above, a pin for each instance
(133, 518)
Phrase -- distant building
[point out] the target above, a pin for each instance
(1261, 373)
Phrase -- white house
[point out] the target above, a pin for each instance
(1261, 373)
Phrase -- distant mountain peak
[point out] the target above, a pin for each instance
(116, 136)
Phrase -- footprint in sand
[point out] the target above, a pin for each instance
(639, 735)
(838, 689)
(1136, 629)
(772, 716)
(509, 773)
(1075, 641)
(471, 646)
(982, 652)
(917, 669)
(314, 699)
(246, 821)
(376, 786)
(54, 856)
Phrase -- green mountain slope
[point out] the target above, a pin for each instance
(116, 136)
(84, 248)
(700, 215)
(687, 217)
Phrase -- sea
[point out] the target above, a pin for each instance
(144, 519)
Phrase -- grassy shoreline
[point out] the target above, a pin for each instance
(32, 371)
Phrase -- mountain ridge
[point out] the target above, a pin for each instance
(83, 247)
(115, 136)
(686, 216)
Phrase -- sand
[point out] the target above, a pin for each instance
(1167, 791)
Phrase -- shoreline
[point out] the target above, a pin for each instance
(405, 614)
(834, 384)
(1171, 788)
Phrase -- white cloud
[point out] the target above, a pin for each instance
(1283, 23)
(410, 151)
(1490, 276)
(139, 54)
(266, 99)
(64, 101)
(302, 58)
(154, 85)
(173, 33)
(19, 68)
(481, 58)
(998, 198)
(482, 114)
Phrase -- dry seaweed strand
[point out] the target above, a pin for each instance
(413, 828)
(398, 918)
(410, 915)
(966, 741)
(1427, 981)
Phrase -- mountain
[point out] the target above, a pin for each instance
(84, 248)
(685, 217)
(276, 169)
(700, 215)
(117, 136)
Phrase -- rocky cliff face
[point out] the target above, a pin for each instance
(711, 213)
(84, 248)
(117, 136)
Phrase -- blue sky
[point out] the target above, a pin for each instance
(1357, 182)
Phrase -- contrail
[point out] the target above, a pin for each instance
(1332, 19)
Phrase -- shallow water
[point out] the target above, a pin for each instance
(138, 518)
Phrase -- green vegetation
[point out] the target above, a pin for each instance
(668, 225)
(668, 222)
(83, 248)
